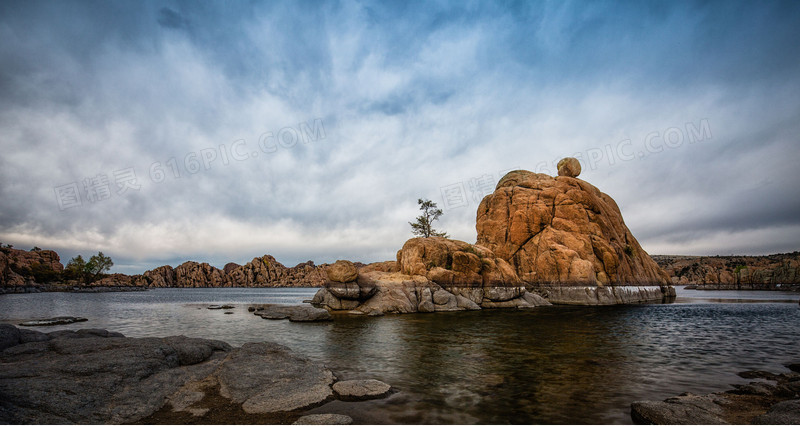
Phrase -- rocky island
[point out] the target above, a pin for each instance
(541, 240)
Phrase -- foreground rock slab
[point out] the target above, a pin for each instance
(96, 376)
(753, 403)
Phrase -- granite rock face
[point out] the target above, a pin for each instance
(395, 292)
(342, 271)
(562, 230)
(262, 271)
(569, 167)
(455, 263)
(19, 267)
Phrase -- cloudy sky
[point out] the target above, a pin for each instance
(160, 132)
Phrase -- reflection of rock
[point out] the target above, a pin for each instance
(53, 321)
(756, 403)
(96, 376)
(296, 313)
(324, 419)
(357, 390)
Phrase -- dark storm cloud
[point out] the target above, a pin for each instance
(413, 96)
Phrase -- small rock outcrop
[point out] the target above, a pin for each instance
(294, 313)
(563, 232)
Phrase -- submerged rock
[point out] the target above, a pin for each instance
(221, 307)
(754, 403)
(53, 321)
(357, 390)
(324, 419)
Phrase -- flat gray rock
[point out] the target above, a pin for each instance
(324, 419)
(297, 313)
(361, 389)
(88, 378)
(270, 378)
(53, 321)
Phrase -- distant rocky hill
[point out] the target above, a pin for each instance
(770, 272)
(22, 270)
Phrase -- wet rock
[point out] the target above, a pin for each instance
(357, 390)
(782, 413)
(82, 377)
(756, 402)
(296, 313)
(96, 379)
(324, 419)
(221, 307)
(687, 409)
(289, 383)
(53, 321)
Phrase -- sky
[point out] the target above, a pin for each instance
(161, 132)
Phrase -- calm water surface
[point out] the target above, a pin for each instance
(546, 365)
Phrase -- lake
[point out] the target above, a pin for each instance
(560, 364)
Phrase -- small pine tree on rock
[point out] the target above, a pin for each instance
(423, 227)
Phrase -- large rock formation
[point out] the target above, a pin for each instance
(99, 377)
(24, 268)
(772, 272)
(262, 271)
(564, 237)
